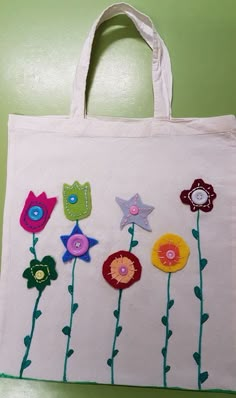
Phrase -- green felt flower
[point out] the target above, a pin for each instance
(40, 273)
(77, 201)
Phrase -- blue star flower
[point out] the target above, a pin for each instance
(77, 245)
(135, 211)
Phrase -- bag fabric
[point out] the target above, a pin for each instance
(119, 242)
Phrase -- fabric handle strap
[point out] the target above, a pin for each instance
(161, 66)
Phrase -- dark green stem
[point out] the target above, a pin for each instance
(115, 335)
(132, 238)
(31, 335)
(71, 321)
(201, 301)
(33, 245)
(113, 354)
(167, 332)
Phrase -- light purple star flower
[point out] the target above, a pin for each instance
(135, 211)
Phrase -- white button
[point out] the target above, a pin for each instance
(199, 197)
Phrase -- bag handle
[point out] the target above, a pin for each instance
(161, 66)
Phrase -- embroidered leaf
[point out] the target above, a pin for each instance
(26, 364)
(37, 314)
(115, 352)
(204, 317)
(109, 362)
(134, 243)
(196, 356)
(70, 289)
(27, 341)
(170, 304)
(170, 333)
(69, 353)
(163, 351)
(118, 330)
(66, 330)
(75, 306)
(131, 230)
(198, 292)
(164, 320)
(203, 377)
(195, 234)
(116, 314)
(35, 241)
(167, 368)
(31, 249)
(203, 263)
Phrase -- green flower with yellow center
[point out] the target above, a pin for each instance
(40, 273)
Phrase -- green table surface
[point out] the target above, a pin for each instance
(40, 42)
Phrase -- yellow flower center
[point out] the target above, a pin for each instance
(39, 275)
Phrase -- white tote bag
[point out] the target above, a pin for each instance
(118, 261)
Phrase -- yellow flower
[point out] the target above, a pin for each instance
(170, 253)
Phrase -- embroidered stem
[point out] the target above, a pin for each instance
(67, 329)
(32, 248)
(133, 242)
(198, 290)
(118, 330)
(165, 321)
(201, 301)
(28, 339)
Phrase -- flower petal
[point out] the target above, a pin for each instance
(67, 256)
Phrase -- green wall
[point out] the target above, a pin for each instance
(40, 42)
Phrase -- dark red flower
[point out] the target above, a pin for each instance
(200, 196)
(36, 212)
(122, 269)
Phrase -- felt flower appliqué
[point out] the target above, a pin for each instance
(200, 198)
(39, 274)
(36, 212)
(77, 206)
(135, 211)
(77, 245)
(122, 269)
(77, 201)
(170, 254)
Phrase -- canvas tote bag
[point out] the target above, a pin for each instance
(118, 261)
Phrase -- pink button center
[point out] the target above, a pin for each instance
(134, 210)
(78, 245)
(170, 254)
(123, 270)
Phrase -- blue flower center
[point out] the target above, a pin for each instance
(35, 213)
(72, 199)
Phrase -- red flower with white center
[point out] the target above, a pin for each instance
(199, 197)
